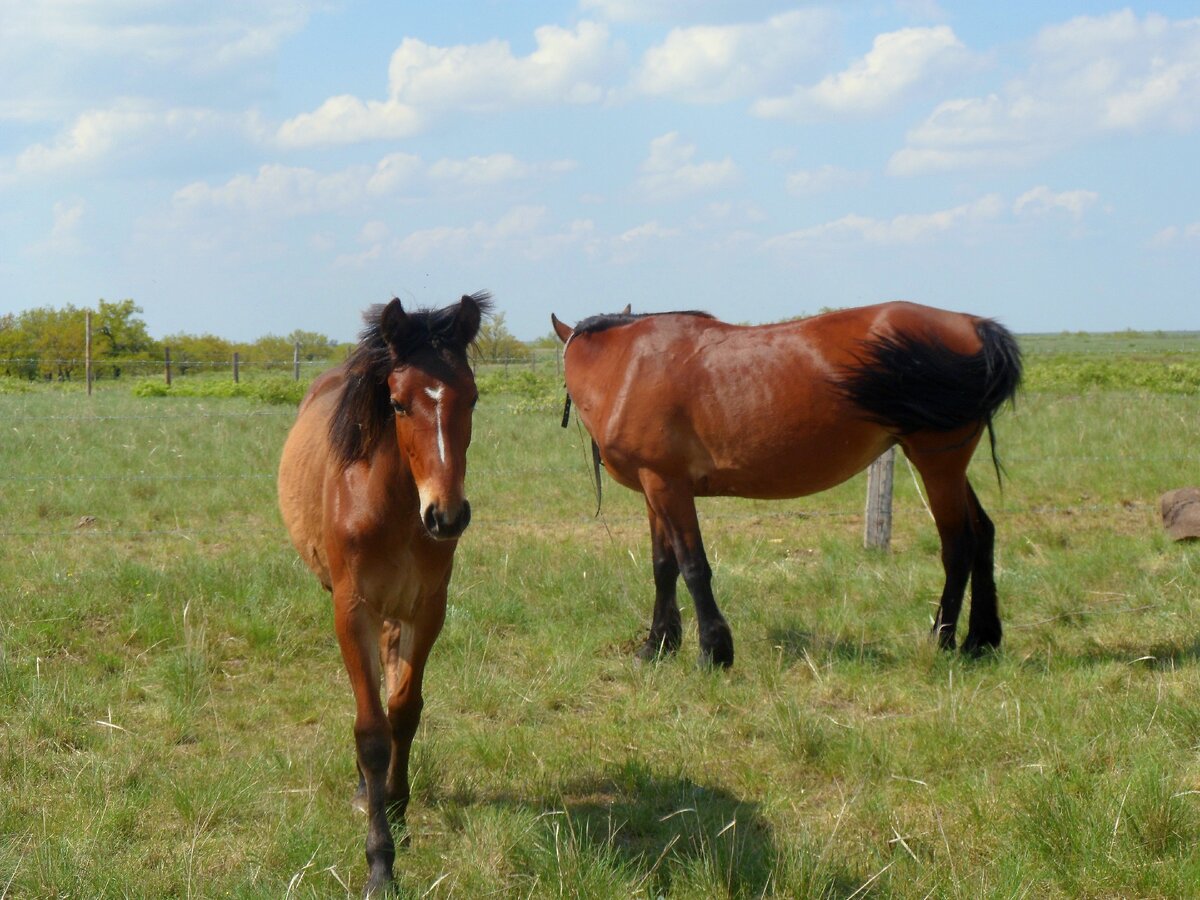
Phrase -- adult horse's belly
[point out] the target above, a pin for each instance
(782, 465)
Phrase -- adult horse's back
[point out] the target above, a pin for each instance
(371, 487)
(681, 405)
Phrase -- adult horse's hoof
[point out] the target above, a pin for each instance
(716, 647)
(976, 647)
(656, 648)
(945, 637)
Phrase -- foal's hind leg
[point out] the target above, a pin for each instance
(675, 508)
(666, 630)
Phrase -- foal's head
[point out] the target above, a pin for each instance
(432, 394)
(409, 382)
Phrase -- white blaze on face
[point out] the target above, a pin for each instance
(436, 395)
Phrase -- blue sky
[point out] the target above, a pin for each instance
(251, 168)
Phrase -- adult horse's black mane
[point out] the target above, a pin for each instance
(364, 407)
(605, 321)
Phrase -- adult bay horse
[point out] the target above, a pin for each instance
(681, 405)
(371, 490)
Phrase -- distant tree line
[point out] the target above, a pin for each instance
(48, 343)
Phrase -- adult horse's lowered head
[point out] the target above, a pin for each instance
(681, 406)
(371, 490)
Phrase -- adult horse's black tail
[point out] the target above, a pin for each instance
(914, 382)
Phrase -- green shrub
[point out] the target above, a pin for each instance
(272, 389)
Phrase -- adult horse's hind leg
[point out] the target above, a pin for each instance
(666, 629)
(984, 624)
(674, 507)
(944, 474)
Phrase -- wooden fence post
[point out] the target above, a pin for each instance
(167, 361)
(87, 349)
(878, 531)
(236, 361)
(296, 361)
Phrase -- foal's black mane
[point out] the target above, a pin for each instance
(364, 408)
(605, 321)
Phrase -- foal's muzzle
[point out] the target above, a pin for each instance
(444, 527)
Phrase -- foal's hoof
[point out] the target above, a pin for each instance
(380, 885)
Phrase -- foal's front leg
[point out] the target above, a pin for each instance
(405, 648)
(358, 637)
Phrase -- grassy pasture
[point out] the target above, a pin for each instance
(174, 719)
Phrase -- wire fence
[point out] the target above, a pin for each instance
(89, 530)
(183, 365)
(172, 364)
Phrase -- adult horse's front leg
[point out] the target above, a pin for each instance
(405, 649)
(666, 629)
(675, 508)
(358, 637)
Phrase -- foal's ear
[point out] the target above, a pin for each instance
(562, 329)
(393, 323)
(468, 318)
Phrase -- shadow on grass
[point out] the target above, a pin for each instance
(1167, 655)
(664, 827)
(797, 643)
(664, 834)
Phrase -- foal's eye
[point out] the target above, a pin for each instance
(400, 408)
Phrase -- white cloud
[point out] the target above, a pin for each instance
(647, 231)
(669, 173)
(1176, 234)
(897, 63)
(393, 173)
(128, 126)
(279, 190)
(902, 229)
(520, 231)
(218, 34)
(568, 66)
(715, 63)
(348, 120)
(665, 10)
(631, 244)
(294, 190)
(64, 233)
(1041, 200)
(476, 171)
(57, 54)
(1088, 76)
(822, 179)
(91, 136)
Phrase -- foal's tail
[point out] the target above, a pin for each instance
(914, 382)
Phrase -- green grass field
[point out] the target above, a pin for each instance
(175, 720)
